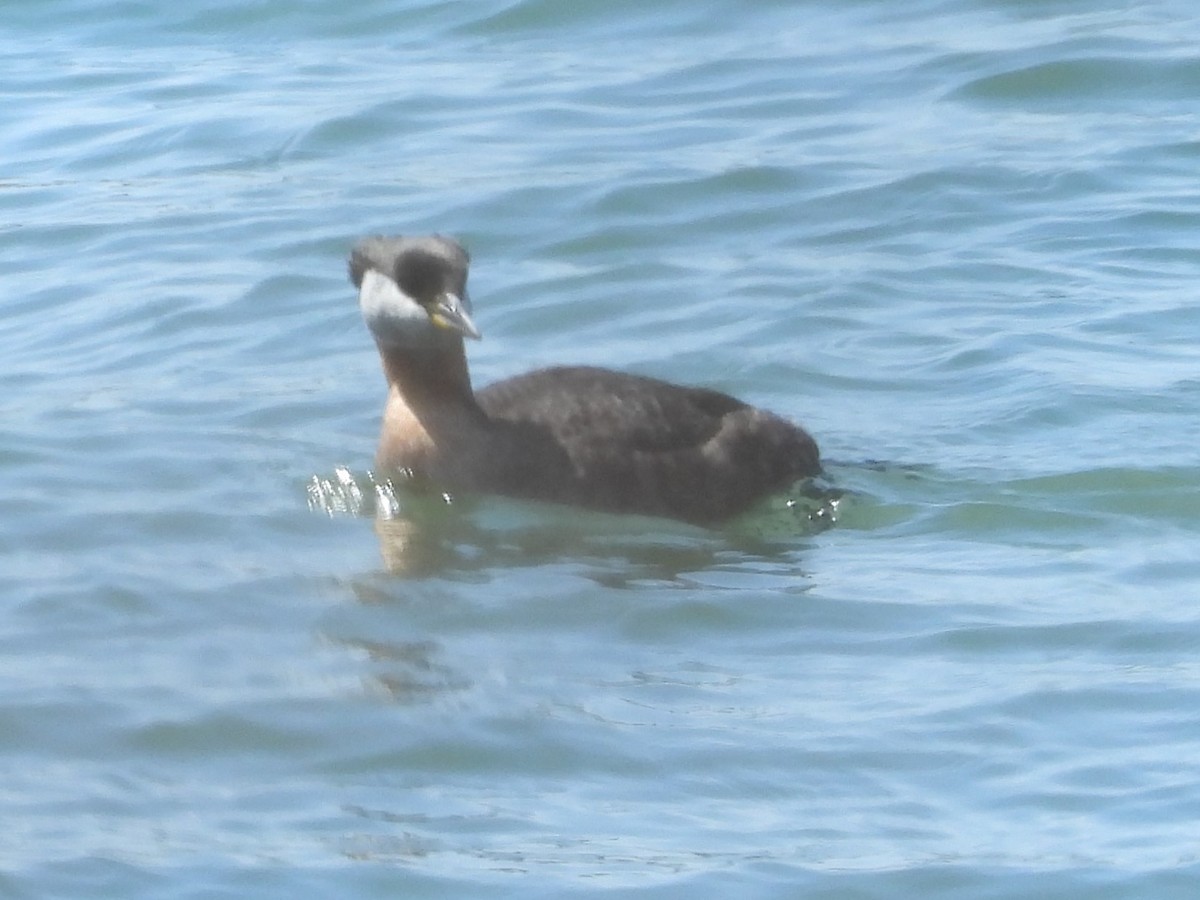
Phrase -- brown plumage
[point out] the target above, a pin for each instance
(576, 435)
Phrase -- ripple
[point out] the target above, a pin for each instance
(954, 239)
(1071, 81)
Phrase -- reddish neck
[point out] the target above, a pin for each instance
(430, 377)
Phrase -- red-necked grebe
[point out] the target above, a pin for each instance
(574, 434)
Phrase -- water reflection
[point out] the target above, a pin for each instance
(423, 532)
(407, 672)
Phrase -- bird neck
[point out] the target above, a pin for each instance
(430, 377)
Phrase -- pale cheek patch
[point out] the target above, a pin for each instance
(392, 315)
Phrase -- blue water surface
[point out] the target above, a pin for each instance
(956, 239)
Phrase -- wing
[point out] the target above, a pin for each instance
(588, 409)
(635, 444)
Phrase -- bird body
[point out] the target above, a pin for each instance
(577, 435)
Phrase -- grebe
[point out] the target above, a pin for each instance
(573, 434)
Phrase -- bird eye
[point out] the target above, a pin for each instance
(419, 275)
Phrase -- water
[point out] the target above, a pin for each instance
(955, 239)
